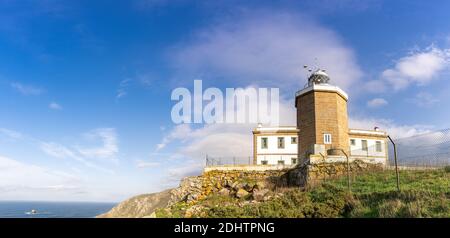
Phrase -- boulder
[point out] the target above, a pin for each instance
(241, 193)
(224, 192)
(260, 194)
(260, 185)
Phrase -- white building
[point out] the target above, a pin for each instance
(275, 145)
(279, 145)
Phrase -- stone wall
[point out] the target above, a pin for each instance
(243, 183)
(227, 182)
(314, 173)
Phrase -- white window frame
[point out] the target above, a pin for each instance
(294, 140)
(292, 160)
(266, 144)
(378, 146)
(364, 145)
(327, 139)
(281, 139)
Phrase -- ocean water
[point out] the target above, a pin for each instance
(52, 209)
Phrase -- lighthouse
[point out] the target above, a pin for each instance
(322, 117)
(322, 132)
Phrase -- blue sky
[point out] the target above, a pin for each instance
(85, 85)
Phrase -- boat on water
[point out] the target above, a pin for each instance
(32, 212)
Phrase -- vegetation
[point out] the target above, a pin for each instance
(423, 194)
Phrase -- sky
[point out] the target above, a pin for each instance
(85, 86)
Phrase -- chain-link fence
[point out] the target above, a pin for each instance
(230, 160)
(425, 150)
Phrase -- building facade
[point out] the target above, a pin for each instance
(275, 145)
(322, 132)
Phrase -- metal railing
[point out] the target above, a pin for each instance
(230, 160)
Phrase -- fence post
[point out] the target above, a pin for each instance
(396, 164)
(348, 171)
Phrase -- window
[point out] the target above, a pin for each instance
(294, 161)
(280, 142)
(264, 162)
(364, 145)
(352, 142)
(280, 162)
(327, 138)
(378, 146)
(264, 143)
(293, 140)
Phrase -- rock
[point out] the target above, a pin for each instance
(260, 185)
(241, 193)
(193, 211)
(259, 195)
(235, 185)
(139, 206)
(224, 192)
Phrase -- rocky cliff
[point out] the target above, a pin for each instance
(139, 206)
(236, 186)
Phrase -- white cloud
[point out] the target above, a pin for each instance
(377, 102)
(424, 99)
(109, 147)
(19, 179)
(267, 48)
(54, 106)
(146, 164)
(60, 151)
(27, 89)
(123, 88)
(418, 68)
(393, 129)
(375, 86)
(11, 134)
(190, 168)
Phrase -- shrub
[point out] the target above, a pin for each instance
(447, 169)
(390, 208)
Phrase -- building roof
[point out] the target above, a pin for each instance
(293, 129)
(323, 88)
(275, 129)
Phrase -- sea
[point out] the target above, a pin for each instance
(20, 209)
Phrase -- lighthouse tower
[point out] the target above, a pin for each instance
(322, 119)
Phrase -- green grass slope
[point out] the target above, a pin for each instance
(423, 194)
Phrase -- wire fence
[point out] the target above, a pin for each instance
(425, 150)
(427, 153)
(230, 160)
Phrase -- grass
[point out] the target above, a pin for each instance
(423, 194)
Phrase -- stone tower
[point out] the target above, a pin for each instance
(321, 117)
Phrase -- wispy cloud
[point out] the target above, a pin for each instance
(27, 89)
(88, 156)
(393, 129)
(33, 181)
(268, 48)
(146, 164)
(60, 151)
(424, 99)
(377, 102)
(122, 91)
(11, 134)
(55, 106)
(142, 80)
(109, 147)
